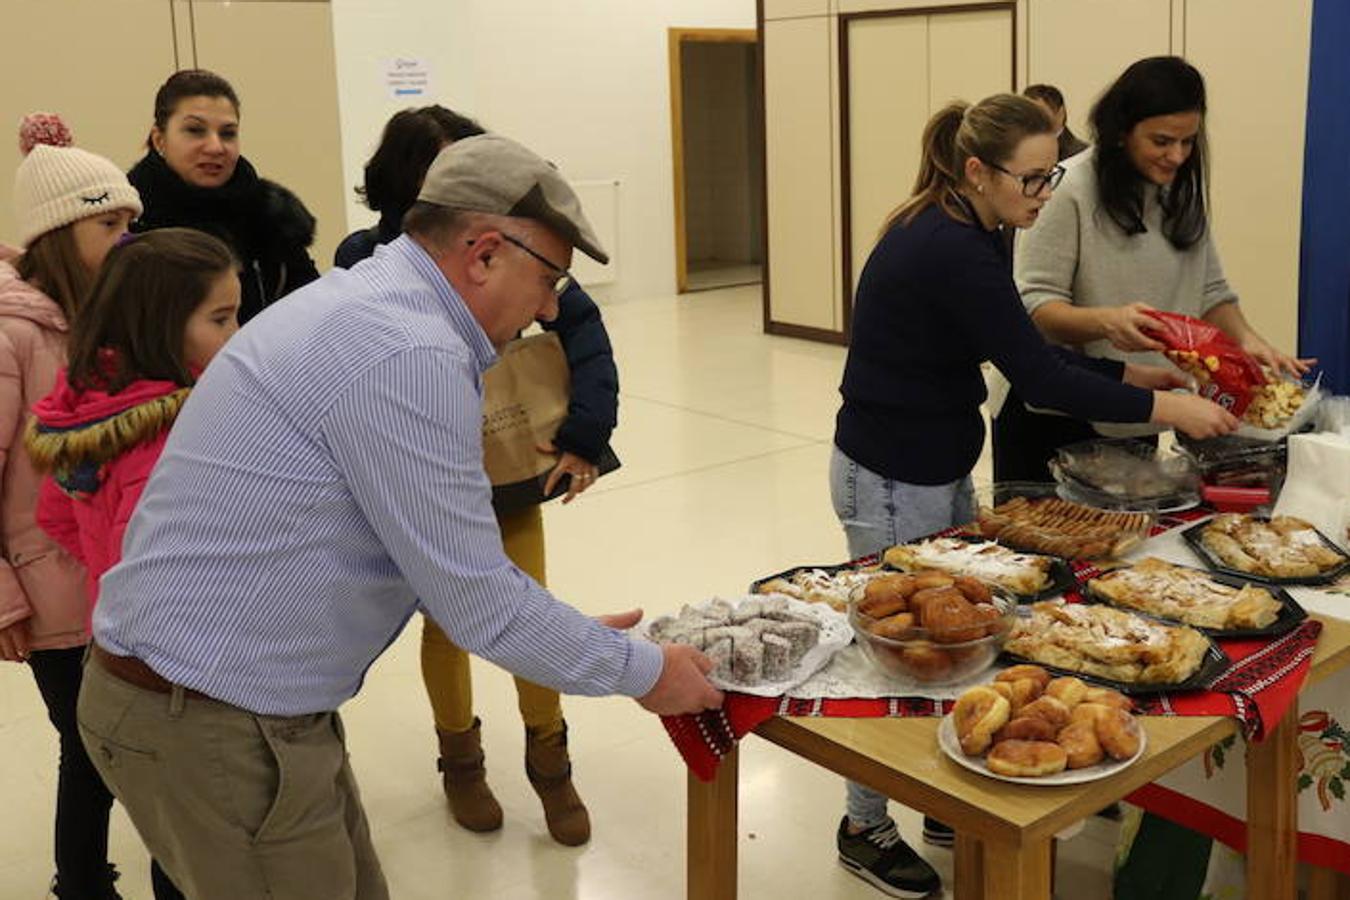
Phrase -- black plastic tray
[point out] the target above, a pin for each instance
(1216, 662)
(831, 569)
(1192, 536)
(1061, 573)
(1291, 613)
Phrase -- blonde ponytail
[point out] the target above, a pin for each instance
(990, 130)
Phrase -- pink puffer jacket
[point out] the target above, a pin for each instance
(39, 581)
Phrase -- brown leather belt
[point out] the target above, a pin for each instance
(134, 672)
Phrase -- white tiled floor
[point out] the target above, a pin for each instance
(725, 440)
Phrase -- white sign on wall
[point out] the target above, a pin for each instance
(406, 78)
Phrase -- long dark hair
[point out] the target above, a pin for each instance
(990, 130)
(1157, 86)
(132, 325)
(410, 142)
(189, 83)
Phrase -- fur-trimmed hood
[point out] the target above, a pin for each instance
(74, 434)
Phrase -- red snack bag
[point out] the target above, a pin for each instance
(1225, 373)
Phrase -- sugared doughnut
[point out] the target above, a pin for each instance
(978, 713)
(1067, 690)
(1016, 673)
(926, 661)
(1048, 708)
(1027, 759)
(1108, 697)
(1119, 734)
(1088, 712)
(975, 590)
(885, 596)
(951, 619)
(928, 579)
(898, 627)
(1025, 728)
(1079, 740)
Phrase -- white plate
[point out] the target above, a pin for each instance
(950, 746)
(835, 634)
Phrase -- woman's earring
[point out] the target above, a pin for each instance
(979, 188)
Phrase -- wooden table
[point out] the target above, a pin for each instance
(1005, 832)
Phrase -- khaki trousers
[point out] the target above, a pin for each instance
(234, 806)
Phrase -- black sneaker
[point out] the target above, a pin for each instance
(880, 857)
(938, 834)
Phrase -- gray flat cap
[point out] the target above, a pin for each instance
(493, 174)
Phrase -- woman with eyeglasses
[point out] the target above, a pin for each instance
(1127, 232)
(935, 300)
(393, 177)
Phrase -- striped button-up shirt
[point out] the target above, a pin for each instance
(326, 473)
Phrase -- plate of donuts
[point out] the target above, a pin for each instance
(1028, 727)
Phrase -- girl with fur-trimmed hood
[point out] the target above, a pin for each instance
(163, 305)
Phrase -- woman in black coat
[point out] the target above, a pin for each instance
(393, 178)
(193, 177)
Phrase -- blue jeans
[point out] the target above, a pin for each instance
(878, 512)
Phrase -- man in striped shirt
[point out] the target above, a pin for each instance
(327, 472)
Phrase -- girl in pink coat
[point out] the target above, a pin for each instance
(71, 208)
(164, 304)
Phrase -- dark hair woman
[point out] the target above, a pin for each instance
(393, 178)
(1051, 100)
(193, 176)
(935, 300)
(1128, 232)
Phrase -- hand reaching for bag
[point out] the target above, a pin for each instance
(583, 473)
(1126, 327)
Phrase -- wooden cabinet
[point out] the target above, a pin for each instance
(846, 100)
(798, 173)
(849, 85)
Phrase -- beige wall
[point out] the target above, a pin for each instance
(721, 173)
(277, 54)
(1258, 91)
(40, 73)
(1256, 77)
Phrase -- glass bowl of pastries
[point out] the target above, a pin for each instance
(1027, 724)
(931, 627)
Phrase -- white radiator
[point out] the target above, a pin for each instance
(600, 202)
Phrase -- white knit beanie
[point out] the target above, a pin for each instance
(57, 184)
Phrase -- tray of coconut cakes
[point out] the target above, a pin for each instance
(938, 613)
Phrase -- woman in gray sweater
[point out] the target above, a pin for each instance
(1128, 231)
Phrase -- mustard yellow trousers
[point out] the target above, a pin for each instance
(445, 666)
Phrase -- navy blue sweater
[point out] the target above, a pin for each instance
(593, 411)
(935, 300)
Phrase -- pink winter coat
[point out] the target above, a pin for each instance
(38, 581)
(100, 448)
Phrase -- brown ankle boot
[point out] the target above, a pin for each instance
(465, 779)
(550, 771)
